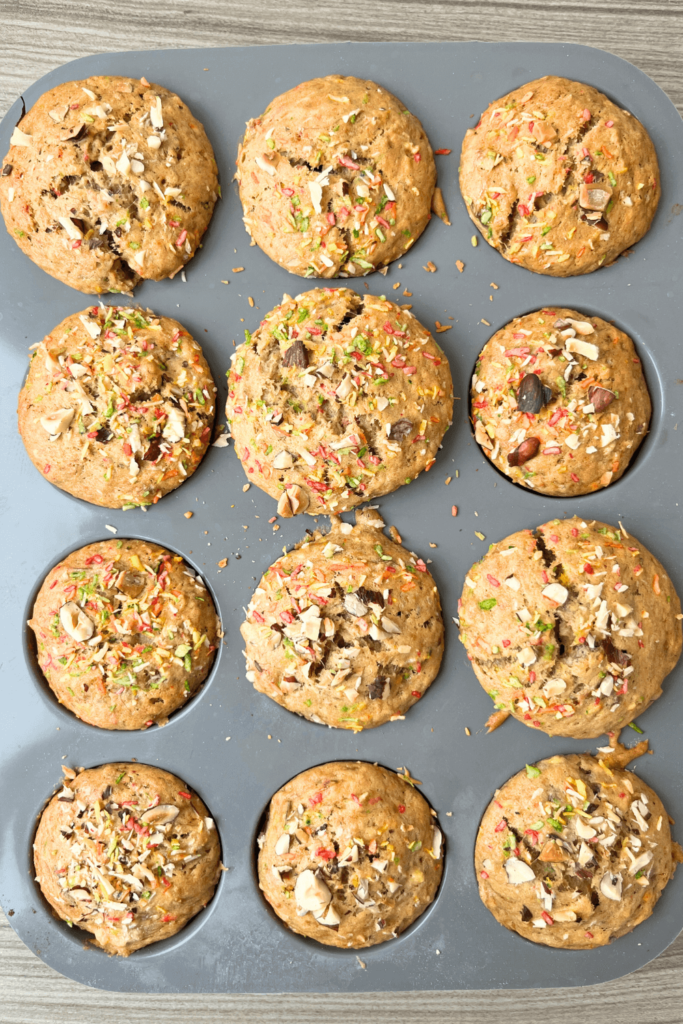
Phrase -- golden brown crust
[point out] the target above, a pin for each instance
(118, 406)
(558, 178)
(571, 628)
(345, 629)
(336, 178)
(354, 846)
(105, 866)
(108, 181)
(559, 402)
(126, 633)
(573, 854)
(337, 398)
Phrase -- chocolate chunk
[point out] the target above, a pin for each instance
(370, 596)
(600, 398)
(526, 914)
(296, 354)
(7, 170)
(376, 689)
(524, 451)
(533, 394)
(104, 435)
(154, 450)
(614, 655)
(400, 429)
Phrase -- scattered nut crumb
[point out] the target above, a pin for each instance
(251, 302)
(467, 732)
(188, 515)
(237, 270)
(474, 240)
(246, 487)
(494, 285)
(361, 963)
(479, 535)
(397, 285)
(430, 268)
(448, 480)
(406, 305)
(460, 265)
(485, 322)
(440, 328)
(432, 545)
(222, 564)
(454, 510)
(406, 292)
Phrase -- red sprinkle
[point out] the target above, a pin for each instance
(401, 808)
(492, 580)
(546, 917)
(501, 825)
(443, 152)
(186, 796)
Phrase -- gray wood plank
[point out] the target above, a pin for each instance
(39, 35)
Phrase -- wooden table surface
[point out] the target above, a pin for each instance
(39, 35)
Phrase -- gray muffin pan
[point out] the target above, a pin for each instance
(236, 944)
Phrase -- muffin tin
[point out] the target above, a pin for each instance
(236, 944)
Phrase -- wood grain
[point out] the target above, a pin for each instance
(36, 37)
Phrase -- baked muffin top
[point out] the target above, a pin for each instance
(108, 181)
(558, 178)
(336, 178)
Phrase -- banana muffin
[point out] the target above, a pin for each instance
(126, 633)
(336, 178)
(108, 181)
(558, 178)
(574, 852)
(337, 398)
(350, 854)
(559, 402)
(571, 627)
(118, 406)
(127, 852)
(346, 628)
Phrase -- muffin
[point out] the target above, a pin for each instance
(558, 178)
(126, 633)
(337, 398)
(118, 406)
(559, 402)
(350, 854)
(336, 178)
(573, 852)
(108, 181)
(571, 627)
(127, 852)
(345, 629)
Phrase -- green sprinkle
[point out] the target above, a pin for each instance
(632, 725)
(487, 604)
(144, 203)
(532, 771)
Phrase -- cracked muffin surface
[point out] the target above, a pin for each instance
(559, 402)
(337, 398)
(574, 852)
(350, 855)
(346, 628)
(558, 178)
(118, 406)
(571, 628)
(336, 178)
(108, 181)
(127, 852)
(126, 633)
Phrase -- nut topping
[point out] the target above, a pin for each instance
(75, 622)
